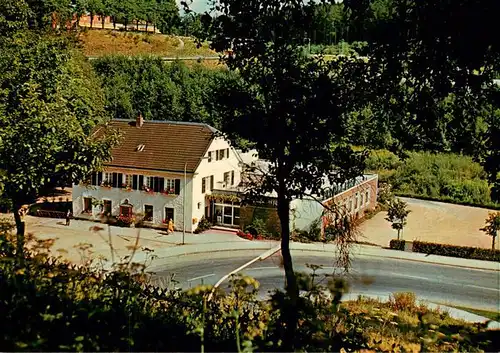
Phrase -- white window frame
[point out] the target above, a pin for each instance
(169, 184)
(107, 176)
(152, 215)
(127, 179)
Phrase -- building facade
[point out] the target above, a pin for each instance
(161, 171)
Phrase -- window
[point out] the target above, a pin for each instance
(148, 213)
(87, 205)
(169, 214)
(170, 186)
(362, 201)
(356, 201)
(221, 154)
(209, 157)
(232, 177)
(106, 209)
(226, 178)
(203, 185)
(350, 205)
(107, 178)
(217, 155)
(127, 181)
(211, 182)
(367, 197)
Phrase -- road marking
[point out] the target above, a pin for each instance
(479, 287)
(263, 268)
(200, 277)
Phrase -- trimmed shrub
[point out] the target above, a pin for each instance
(465, 252)
(397, 244)
(203, 225)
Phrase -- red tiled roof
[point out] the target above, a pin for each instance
(167, 145)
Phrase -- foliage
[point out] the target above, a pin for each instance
(397, 244)
(435, 88)
(441, 177)
(125, 221)
(492, 227)
(464, 252)
(397, 213)
(159, 90)
(257, 227)
(203, 225)
(49, 305)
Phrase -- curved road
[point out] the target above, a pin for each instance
(369, 276)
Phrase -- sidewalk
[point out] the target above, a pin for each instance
(170, 245)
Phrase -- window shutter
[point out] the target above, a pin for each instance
(227, 152)
(135, 182)
(178, 186)
(209, 157)
(217, 155)
(161, 184)
(156, 184)
(211, 182)
(120, 180)
(232, 177)
(99, 178)
(114, 180)
(93, 179)
(141, 182)
(203, 185)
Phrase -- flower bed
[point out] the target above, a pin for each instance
(249, 236)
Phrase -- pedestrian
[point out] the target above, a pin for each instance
(170, 226)
(68, 217)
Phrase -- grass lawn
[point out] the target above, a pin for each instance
(492, 315)
(105, 42)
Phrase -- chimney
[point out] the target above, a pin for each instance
(139, 121)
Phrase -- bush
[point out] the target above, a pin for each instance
(203, 225)
(465, 252)
(125, 221)
(443, 177)
(397, 244)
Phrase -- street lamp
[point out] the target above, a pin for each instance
(184, 201)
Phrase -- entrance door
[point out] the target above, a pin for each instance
(126, 210)
(106, 207)
(87, 205)
(169, 214)
(228, 215)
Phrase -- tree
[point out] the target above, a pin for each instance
(397, 214)
(288, 106)
(50, 106)
(168, 15)
(427, 51)
(492, 227)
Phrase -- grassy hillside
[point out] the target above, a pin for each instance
(105, 42)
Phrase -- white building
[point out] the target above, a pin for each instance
(162, 170)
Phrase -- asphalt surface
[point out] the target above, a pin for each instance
(368, 276)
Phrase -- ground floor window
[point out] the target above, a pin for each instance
(148, 213)
(106, 207)
(87, 205)
(227, 214)
(169, 214)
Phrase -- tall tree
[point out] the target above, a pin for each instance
(50, 105)
(289, 106)
(427, 51)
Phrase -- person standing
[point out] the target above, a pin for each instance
(68, 217)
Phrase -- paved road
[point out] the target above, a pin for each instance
(369, 276)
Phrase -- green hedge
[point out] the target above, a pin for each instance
(465, 252)
(397, 244)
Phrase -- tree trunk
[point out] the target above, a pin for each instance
(21, 228)
(91, 19)
(290, 313)
(103, 20)
(137, 25)
(493, 238)
(146, 26)
(114, 22)
(399, 230)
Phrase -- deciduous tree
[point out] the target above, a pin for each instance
(397, 214)
(289, 106)
(492, 227)
(50, 106)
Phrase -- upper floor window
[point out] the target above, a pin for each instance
(209, 156)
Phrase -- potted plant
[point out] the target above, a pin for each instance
(106, 184)
(126, 187)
